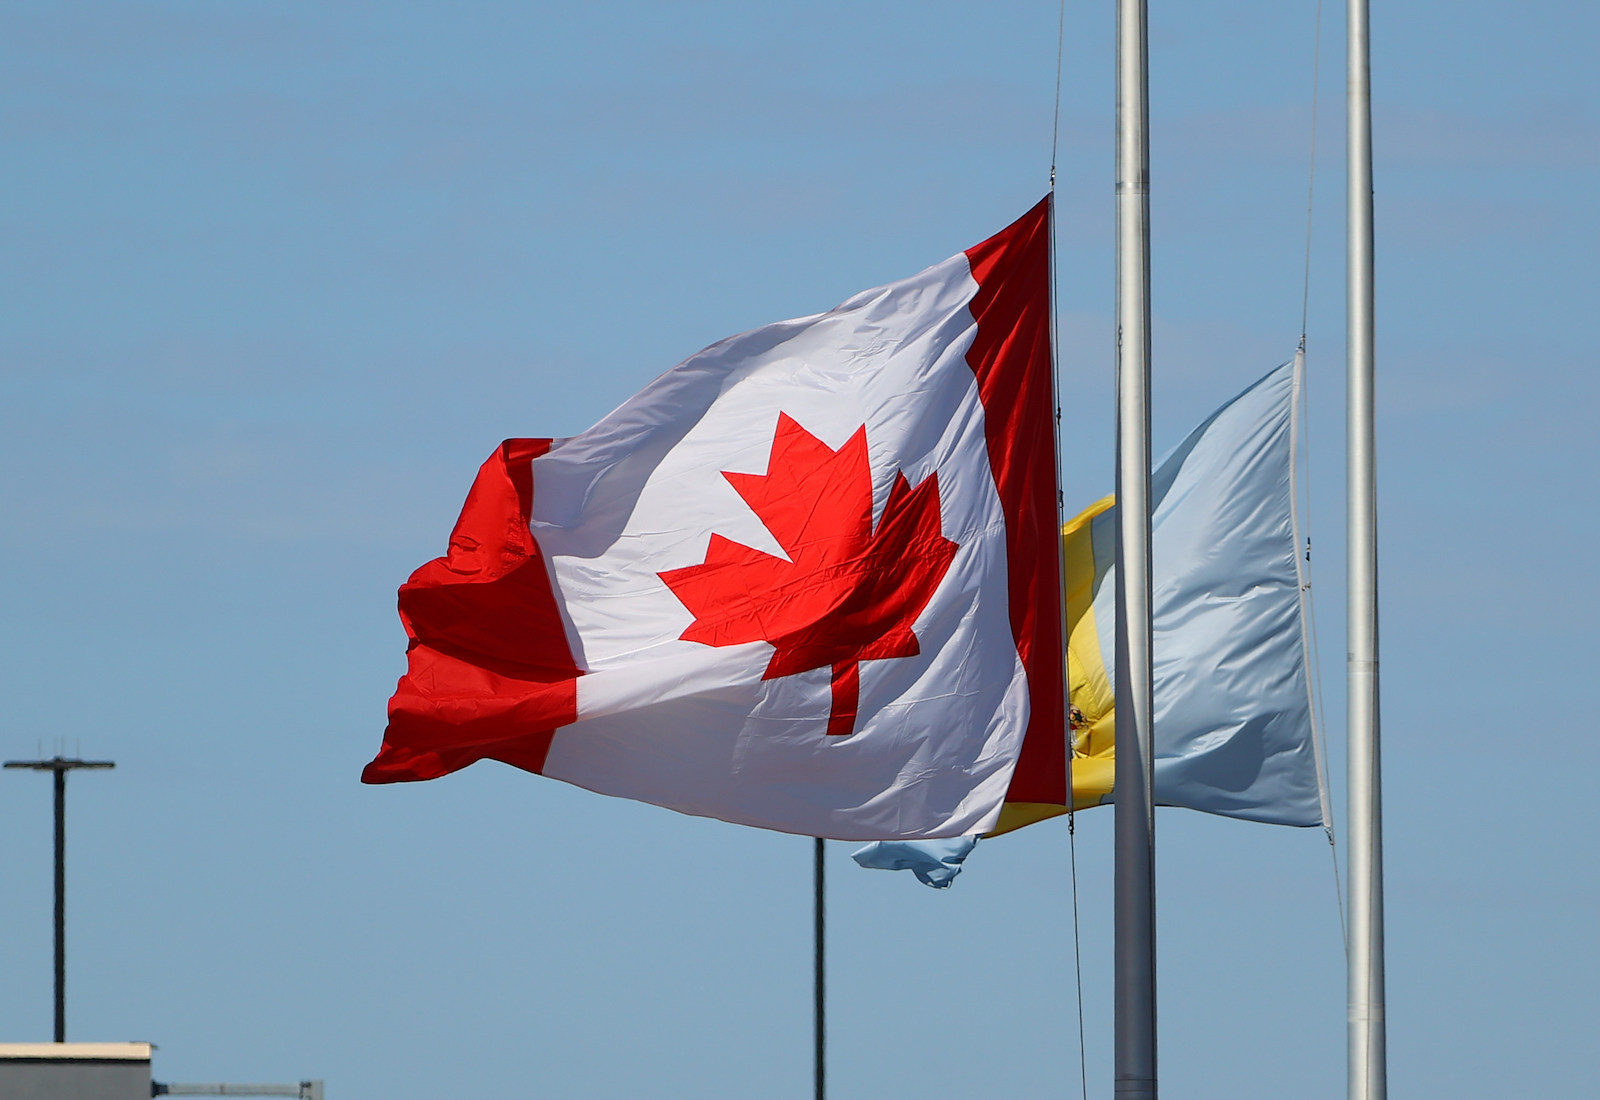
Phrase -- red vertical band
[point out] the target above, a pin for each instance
(1010, 356)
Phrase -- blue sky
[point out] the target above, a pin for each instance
(275, 278)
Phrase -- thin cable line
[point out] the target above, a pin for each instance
(1055, 395)
(1055, 358)
(1308, 605)
(1055, 386)
(1055, 118)
(1077, 952)
(1328, 829)
(1319, 719)
(1322, 722)
(1311, 179)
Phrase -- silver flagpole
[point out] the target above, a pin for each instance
(1135, 822)
(1368, 1060)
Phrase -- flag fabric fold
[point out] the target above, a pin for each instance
(804, 580)
(1233, 729)
(936, 863)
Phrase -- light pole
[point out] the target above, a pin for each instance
(60, 766)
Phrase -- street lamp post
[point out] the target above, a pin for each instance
(60, 766)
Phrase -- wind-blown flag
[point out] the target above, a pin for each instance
(1232, 706)
(806, 580)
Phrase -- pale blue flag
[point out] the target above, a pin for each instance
(1233, 729)
(1233, 719)
(935, 862)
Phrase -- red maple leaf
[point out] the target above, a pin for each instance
(847, 593)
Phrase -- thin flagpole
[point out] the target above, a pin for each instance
(1134, 887)
(820, 1019)
(1367, 1055)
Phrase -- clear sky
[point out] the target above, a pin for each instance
(275, 278)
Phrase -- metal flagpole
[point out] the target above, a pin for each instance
(1135, 954)
(1368, 1060)
(60, 766)
(820, 1025)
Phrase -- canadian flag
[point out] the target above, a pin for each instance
(806, 580)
